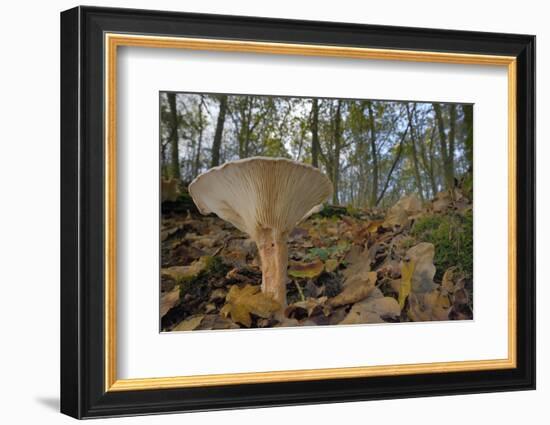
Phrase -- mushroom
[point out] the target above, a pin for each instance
(265, 198)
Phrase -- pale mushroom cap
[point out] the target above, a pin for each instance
(261, 193)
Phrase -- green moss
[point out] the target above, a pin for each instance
(452, 236)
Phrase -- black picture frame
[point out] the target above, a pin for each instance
(83, 392)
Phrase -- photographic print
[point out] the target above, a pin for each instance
(295, 211)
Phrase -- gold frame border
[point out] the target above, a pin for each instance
(113, 41)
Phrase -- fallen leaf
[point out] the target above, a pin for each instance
(240, 303)
(374, 225)
(447, 283)
(190, 323)
(306, 270)
(356, 288)
(396, 216)
(428, 306)
(361, 262)
(302, 309)
(411, 204)
(373, 309)
(169, 300)
(179, 273)
(407, 270)
(214, 321)
(218, 295)
(424, 269)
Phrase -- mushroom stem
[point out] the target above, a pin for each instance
(273, 250)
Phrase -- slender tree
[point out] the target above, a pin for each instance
(414, 154)
(374, 155)
(217, 143)
(174, 137)
(315, 147)
(337, 137)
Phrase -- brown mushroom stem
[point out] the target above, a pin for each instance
(273, 250)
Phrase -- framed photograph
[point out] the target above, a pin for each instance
(261, 212)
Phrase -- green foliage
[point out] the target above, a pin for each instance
(327, 252)
(452, 236)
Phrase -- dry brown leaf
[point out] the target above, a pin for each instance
(428, 306)
(448, 284)
(356, 288)
(361, 262)
(248, 300)
(398, 215)
(169, 300)
(307, 308)
(373, 309)
(214, 321)
(424, 269)
(411, 204)
(189, 324)
(179, 273)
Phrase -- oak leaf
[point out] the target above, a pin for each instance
(241, 303)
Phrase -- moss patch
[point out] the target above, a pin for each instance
(452, 236)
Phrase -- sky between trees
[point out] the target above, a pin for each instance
(373, 151)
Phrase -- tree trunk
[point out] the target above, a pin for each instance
(174, 137)
(197, 162)
(448, 177)
(452, 136)
(374, 154)
(469, 129)
(414, 153)
(315, 133)
(393, 166)
(336, 158)
(217, 143)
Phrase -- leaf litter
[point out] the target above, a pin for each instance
(345, 267)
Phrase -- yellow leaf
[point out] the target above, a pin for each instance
(407, 270)
(306, 270)
(248, 300)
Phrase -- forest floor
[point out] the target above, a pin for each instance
(410, 263)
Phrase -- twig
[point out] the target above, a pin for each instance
(299, 290)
